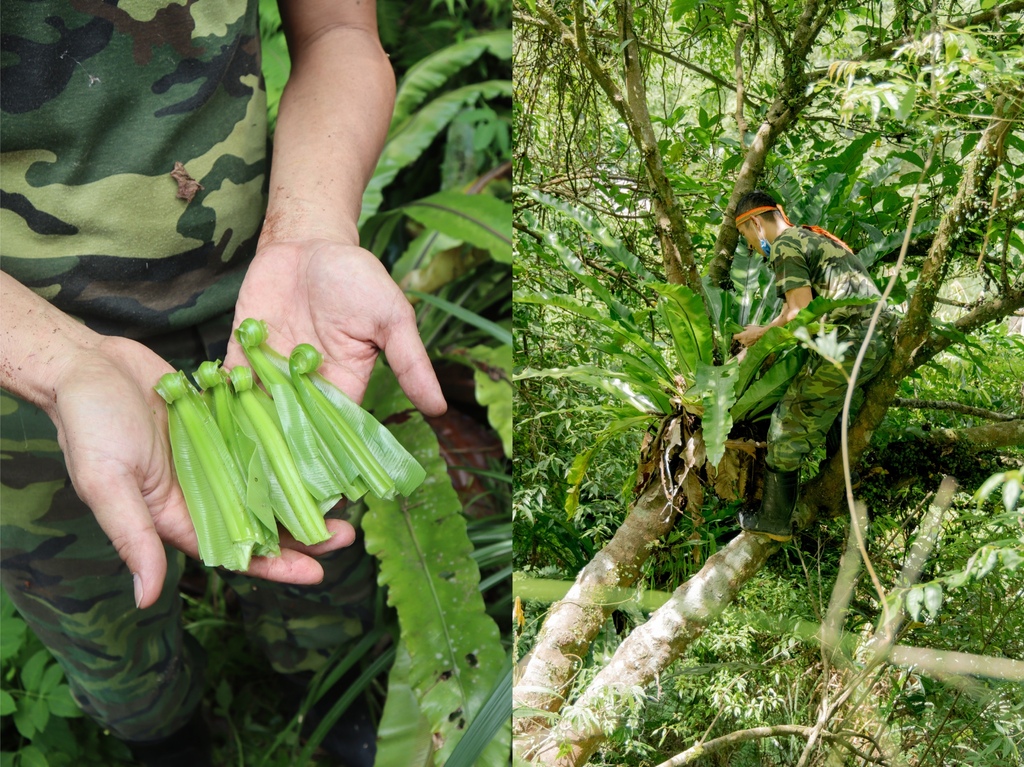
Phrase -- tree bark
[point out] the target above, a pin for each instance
(647, 651)
(573, 622)
(987, 437)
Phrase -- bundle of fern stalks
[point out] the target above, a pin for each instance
(248, 458)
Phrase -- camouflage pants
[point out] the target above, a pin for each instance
(815, 398)
(137, 672)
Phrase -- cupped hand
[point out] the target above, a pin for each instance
(112, 428)
(340, 299)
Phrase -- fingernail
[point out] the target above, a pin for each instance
(139, 593)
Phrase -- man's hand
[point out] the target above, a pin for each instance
(340, 299)
(750, 335)
(112, 428)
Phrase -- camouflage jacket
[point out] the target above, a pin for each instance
(133, 156)
(802, 258)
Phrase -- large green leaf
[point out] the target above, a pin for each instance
(768, 389)
(493, 329)
(478, 219)
(433, 72)
(658, 366)
(403, 736)
(575, 476)
(771, 342)
(408, 141)
(683, 311)
(755, 301)
(582, 461)
(432, 579)
(717, 385)
(491, 729)
(779, 338)
(493, 378)
(599, 233)
(575, 267)
(622, 385)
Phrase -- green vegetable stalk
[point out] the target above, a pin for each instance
(247, 461)
(299, 513)
(339, 435)
(210, 480)
(216, 387)
(321, 476)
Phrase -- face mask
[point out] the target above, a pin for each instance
(765, 247)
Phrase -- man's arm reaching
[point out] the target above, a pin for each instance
(310, 280)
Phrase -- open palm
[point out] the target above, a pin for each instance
(340, 299)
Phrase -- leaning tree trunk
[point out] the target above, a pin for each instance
(574, 621)
(651, 647)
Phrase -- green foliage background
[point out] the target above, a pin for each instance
(852, 164)
(449, 152)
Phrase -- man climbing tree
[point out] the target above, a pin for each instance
(808, 262)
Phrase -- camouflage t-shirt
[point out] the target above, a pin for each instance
(102, 101)
(802, 258)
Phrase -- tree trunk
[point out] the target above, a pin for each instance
(647, 651)
(573, 622)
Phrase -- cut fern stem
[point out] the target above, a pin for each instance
(209, 478)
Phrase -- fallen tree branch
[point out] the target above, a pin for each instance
(692, 754)
(648, 650)
(956, 407)
(987, 437)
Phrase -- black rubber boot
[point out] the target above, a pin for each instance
(188, 747)
(775, 517)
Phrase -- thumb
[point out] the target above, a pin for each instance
(122, 513)
(412, 366)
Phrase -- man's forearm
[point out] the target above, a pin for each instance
(785, 315)
(332, 123)
(39, 341)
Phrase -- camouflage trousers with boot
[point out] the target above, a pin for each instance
(815, 397)
(137, 672)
